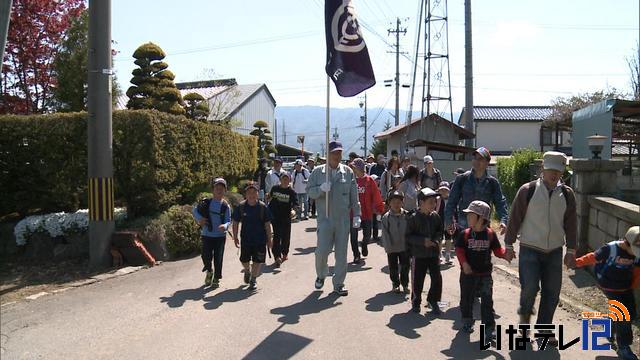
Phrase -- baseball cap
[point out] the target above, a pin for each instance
(459, 171)
(278, 159)
(217, 181)
(396, 195)
(311, 159)
(335, 146)
(428, 159)
(484, 152)
(633, 234)
(554, 160)
(370, 157)
(299, 162)
(479, 208)
(359, 164)
(426, 193)
(444, 185)
(285, 174)
(252, 185)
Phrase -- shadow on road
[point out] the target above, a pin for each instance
(550, 353)
(385, 269)
(227, 296)
(181, 296)
(406, 324)
(378, 302)
(305, 251)
(462, 348)
(310, 229)
(582, 279)
(278, 345)
(312, 304)
(351, 267)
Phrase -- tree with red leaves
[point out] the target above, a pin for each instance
(36, 31)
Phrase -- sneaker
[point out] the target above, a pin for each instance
(277, 263)
(247, 276)
(252, 284)
(342, 291)
(319, 283)
(468, 326)
(415, 308)
(395, 289)
(405, 290)
(207, 278)
(285, 258)
(490, 335)
(625, 353)
(305, 218)
(357, 259)
(435, 309)
(215, 283)
(365, 249)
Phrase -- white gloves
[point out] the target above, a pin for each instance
(379, 217)
(326, 187)
(357, 222)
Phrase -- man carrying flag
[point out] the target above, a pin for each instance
(333, 185)
(336, 198)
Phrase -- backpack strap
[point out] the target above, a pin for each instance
(223, 211)
(531, 190)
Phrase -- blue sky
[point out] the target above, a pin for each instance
(525, 52)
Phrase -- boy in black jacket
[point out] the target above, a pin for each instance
(473, 249)
(424, 233)
(283, 200)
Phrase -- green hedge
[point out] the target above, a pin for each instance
(514, 171)
(158, 160)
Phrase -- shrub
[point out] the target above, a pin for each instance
(181, 233)
(158, 159)
(514, 171)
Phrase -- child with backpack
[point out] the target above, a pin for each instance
(617, 268)
(214, 216)
(394, 228)
(255, 235)
(283, 201)
(473, 249)
(424, 234)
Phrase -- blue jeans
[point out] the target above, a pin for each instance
(540, 270)
(302, 202)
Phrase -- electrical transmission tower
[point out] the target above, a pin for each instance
(436, 86)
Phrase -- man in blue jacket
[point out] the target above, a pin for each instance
(214, 216)
(476, 184)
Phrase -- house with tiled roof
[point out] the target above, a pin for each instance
(504, 129)
(244, 104)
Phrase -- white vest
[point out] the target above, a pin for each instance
(543, 225)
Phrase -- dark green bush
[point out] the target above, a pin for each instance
(514, 171)
(158, 160)
(181, 231)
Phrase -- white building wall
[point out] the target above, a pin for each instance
(508, 136)
(259, 107)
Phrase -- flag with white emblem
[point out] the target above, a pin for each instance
(348, 62)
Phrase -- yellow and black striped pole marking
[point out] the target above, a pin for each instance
(101, 199)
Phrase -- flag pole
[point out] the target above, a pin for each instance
(328, 129)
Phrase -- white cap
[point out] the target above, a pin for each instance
(428, 159)
(554, 160)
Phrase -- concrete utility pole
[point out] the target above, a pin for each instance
(364, 124)
(275, 130)
(5, 16)
(468, 72)
(284, 133)
(397, 31)
(101, 223)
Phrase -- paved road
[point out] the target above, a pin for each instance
(165, 313)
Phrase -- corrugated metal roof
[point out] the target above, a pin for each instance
(510, 113)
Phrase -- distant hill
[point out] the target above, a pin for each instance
(310, 121)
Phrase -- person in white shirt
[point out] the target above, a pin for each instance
(300, 178)
(273, 176)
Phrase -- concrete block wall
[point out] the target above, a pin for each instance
(609, 219)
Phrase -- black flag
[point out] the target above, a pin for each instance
(348, 63)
